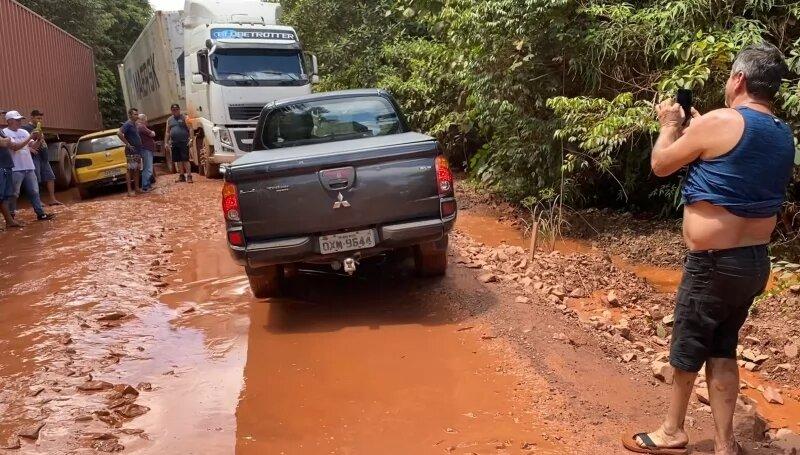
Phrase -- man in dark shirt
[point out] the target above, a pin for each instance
(6, 184)
(129, 134)
(44, 172)
(177, 139)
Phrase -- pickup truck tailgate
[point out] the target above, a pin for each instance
(326, 188)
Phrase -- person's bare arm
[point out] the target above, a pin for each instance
(167, 142)
(17, 146)
(121, 135)
(677, 146)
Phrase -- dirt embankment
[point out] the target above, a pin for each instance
(631, 318)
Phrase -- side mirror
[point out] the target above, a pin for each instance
(194, 68)
(198, 79)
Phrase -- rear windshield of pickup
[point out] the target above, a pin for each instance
(338, 119)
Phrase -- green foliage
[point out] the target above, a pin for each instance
(550, 96)
(109, 27)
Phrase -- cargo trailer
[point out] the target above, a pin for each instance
(52, 71)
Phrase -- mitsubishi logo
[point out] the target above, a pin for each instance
(341, 202)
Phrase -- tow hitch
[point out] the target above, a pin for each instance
(350, 266)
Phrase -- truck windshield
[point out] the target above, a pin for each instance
(98, 144)
(330, 120)
(257, 67)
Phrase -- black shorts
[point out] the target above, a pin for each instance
(180, 152)
(713, 301)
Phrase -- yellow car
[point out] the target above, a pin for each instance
(99, 161)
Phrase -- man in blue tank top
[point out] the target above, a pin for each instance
(739, 164)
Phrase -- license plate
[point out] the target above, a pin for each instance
(112, 172)
(348, 241)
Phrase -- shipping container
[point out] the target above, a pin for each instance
(152, 71)
(48, 69)
(43, 67)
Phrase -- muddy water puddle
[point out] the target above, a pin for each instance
(340, 366)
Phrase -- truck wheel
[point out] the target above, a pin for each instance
(430, 258)
(207, 168)
(84, 193)
(266, 282)
(62, 167)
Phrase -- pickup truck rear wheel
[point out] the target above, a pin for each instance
(430, 258)
(266, 282)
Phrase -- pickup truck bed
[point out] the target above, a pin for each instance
(340, 201)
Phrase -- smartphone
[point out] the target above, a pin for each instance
(685, 100)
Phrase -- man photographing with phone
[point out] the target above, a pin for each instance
(739, 164)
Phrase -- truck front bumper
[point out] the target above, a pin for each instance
(306, 249)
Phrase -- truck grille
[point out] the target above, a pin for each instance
(241, 135)
(245, 111)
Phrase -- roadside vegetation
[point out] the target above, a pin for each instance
(547, 100)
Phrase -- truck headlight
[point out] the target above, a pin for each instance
(223, 136)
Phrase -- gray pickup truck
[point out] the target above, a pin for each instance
(336, 178)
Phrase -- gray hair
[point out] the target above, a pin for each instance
(142, 117)
(763, 67)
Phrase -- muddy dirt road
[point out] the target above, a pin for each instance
(125, 326)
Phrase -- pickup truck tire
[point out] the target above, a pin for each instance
(266, 282)
(430, 258)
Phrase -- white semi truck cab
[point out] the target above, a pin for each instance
(237, 60)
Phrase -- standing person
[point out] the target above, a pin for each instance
(44, 172)
(6, 179)
(177, 140)
(740, 161)
(23, 175)
(148, 149)
(129, 134)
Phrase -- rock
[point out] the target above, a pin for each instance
(751, 366)
(188, 310)
(35, 391)
(783, 433)
(522, 300)
(125, 389)
(132, 410)
(108, 446)
(702, 395)
(668, 320)
(577, 293)
(94, 386)
(132, 431)
(558, 291)
(612, 298)
(115, 316)
(752, 339)
(748, 355)
(795, 289)
(662, 371)
(487, 278)
(83, 418)
(772, 395)
(144, 386)
(623, 330)
(790, 350)
(12, 443)
(31, 431)
(784, 367)
(628, 357)
(538, 285)
(749, 424)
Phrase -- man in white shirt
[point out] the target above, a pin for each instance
(24, 174)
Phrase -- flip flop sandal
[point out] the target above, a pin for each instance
(650, 447)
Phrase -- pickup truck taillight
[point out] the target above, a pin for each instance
(230, 202)
(444, 177)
